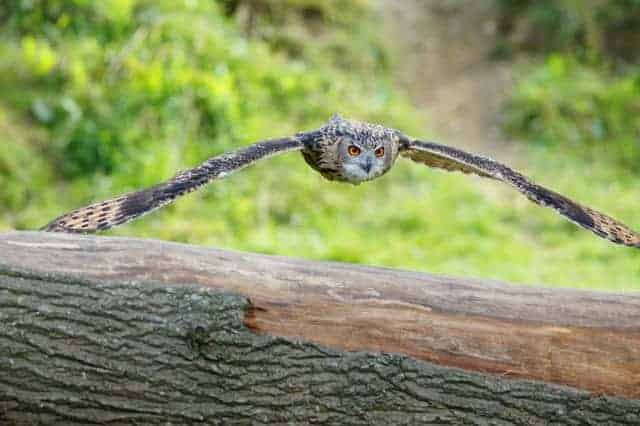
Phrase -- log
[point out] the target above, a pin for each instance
(129, 331)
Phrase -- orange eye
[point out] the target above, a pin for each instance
(379, 152)
(353, 150)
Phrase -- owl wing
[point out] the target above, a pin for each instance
(452, 159)
(116, 211)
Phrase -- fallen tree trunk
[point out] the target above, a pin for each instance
(121, 331)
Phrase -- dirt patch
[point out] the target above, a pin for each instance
(447, 66)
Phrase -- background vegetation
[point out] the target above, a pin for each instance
(97, 98)
(585, 91)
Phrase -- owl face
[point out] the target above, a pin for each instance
(351, 151)
(363, 160)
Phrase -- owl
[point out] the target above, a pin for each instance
(341, 150)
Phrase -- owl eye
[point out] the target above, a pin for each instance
(379, 152)
(353, 150)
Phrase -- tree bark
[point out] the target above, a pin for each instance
(124, 331)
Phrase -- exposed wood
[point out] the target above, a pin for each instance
(123, 330)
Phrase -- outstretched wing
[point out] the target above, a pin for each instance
(116, 211)
(445, 157)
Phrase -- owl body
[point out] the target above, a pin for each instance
(351, 151)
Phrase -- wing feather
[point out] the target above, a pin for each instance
(116, 211)
(453, 159)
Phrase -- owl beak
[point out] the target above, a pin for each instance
(367, 165)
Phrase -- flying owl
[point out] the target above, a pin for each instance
(345, 151)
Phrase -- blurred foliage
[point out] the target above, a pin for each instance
(97, 98)
(299, 28)
(565, 102)
(585, 93)
(586, 28)
(116, 81)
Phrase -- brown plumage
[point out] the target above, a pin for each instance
(346, 151)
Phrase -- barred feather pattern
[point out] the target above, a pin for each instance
(116, 211)
(453, 159)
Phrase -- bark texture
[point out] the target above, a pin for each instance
(121, 331)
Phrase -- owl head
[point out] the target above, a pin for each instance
(363, 151)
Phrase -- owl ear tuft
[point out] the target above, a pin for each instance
(336, 118)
